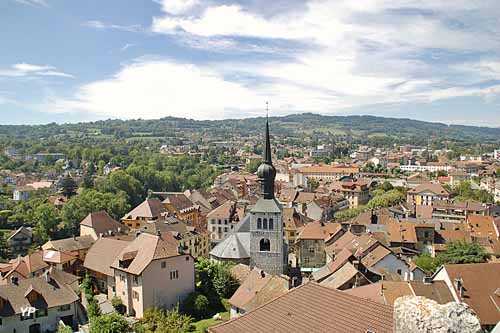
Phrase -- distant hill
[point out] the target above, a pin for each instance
(291, 125)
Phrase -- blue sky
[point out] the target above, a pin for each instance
(69, 61)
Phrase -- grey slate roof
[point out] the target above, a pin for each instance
(243, 225)
(234, 246)
(267, 206)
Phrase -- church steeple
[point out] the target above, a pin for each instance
(267, 151)
(266, 171)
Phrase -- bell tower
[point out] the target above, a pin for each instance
(267, 246)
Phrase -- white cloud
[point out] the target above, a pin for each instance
(352, 54)
(24, 69)
(99, 25)
(158, 88)
(126, 47)
(40, 3)
(177, 6)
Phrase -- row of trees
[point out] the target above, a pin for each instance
(385, 195)
(459, 252)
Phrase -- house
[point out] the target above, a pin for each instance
(384, 262)
(98, 263)
(20, 240)
(424, 194)
(346, 277)
(151, 272)
(179, 205)
(22, 193)
(453, 211)
(257, 289)
(310, 244)
(483, 227)
(477, 285)
(457, 177)
(149, 209)
(76, 246)
(327, 172)
(53, 299)
(355, 191)
(99, 224)
(417, 179)
(386, 292)
(292, 223)
(60, 260)
(22, 268)
(192, 240)
(313, 308)
(222, 220)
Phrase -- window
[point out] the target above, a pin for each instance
(225, 229)
(265, 245)
(136, 279)
(41, 313)
(399, 271)
(135, 295)
(163, 264)
(122, 278)
(65, 307)
(225, 221)
(259, 223)
(219, 221)
(271, 226)
(187, 258)
(311, 250)
(174, 275)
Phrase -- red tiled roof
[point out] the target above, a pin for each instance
(313, 308)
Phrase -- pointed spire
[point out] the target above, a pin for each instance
(267, 152)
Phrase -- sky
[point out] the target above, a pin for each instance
(70, 61)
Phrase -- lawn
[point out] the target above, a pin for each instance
(202, 325)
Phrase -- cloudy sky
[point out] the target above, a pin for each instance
(68, 61)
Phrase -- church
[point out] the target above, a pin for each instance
(257, 240)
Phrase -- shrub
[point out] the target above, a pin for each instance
(197, 306)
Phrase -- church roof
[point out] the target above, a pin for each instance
(234, 246)
(267, 206)
(243, 225)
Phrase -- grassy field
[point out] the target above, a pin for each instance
(202, 325)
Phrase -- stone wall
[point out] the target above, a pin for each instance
(419, 314)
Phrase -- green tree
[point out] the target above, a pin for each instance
(78, 207)
(313, 184)
(461, 252)
(120, 181)
(428, 263)
(117, 304)
(93, 309)
(224, 282)
(347, 214)
(253, 166)
(157, 321)
(46, 218)
(385, 186)
(68, 186)
(4, 247)
(197, 306)
(109, 323)
(64, 329)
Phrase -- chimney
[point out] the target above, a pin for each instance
(460, 287)
(158, 233)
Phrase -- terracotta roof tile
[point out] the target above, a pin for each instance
(315, 309)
